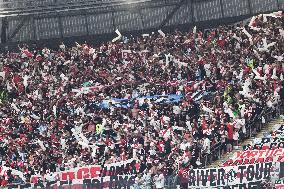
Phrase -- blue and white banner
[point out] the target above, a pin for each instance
(128, 103)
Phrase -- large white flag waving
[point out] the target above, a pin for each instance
(118, 36)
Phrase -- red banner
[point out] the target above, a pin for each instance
(255, 156)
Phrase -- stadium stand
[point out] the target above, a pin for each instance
(154, 107)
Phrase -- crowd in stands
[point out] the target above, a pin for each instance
(52, 118)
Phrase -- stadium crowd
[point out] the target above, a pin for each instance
(52, 118)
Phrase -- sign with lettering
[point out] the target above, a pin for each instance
(123, 168)
(236, 176)
(266, 143)
(229, 176)
(255, 156)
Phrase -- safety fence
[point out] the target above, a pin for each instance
(45, 28)
(252, 128)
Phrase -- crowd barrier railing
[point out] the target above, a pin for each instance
(252, 127)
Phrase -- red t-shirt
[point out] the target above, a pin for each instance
(203, 124)
(230, 128)
(7, 70)
(21, 88)
(221, 42)
(16, 79)
(4, 182)
(160, 146)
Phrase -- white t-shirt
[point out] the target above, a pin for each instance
(206, 145)
(152, 152)
(184, 145)
(239, 123)
(176, 110)
(236, 135)
(160, 181)
(188, 124)
(207, 69)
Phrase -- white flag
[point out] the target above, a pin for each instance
(118, 36)
(161, 33)
(2, 74)
(262, 119)
(194, 29)
(248, 35)
(266, 46)
(281, 32)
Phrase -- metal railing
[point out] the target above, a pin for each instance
(252, 128)
(142, 11)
